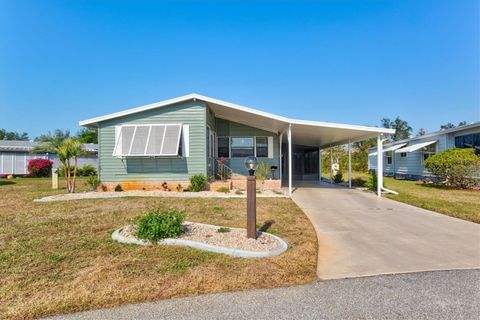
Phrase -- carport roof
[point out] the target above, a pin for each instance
(311, 133)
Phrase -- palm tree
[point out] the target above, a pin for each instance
(66, 149)
(69, 149)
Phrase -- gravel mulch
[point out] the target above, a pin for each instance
(235, 238)
(156, 193)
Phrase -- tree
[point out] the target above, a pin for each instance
(402, 129)
(69, 149)
(446, 126)
(360, 154)
(12, 135)
(52, 141)
(421, 132)
(462, 123)
(88, 135)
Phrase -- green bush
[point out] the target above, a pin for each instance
(86, 171)
(93, 182)
(338, 177)
(198, 182)
(263, 169)
(160, 223)
(459, 168)
(372, 182)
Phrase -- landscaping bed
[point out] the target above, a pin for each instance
(230, 241)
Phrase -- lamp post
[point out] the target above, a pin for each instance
(251, 164)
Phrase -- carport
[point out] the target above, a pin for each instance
(323, 135)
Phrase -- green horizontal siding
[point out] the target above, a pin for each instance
(234, 129)
(113, 169)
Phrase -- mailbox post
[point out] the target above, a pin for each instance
(251, 165)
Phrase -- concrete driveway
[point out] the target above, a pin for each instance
(361, 235)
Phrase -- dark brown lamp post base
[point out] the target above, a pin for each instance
(251, 207)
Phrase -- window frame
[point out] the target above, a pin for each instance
(427, 152)
(389, 157)
(241, 137)
(266, 146)
(403, 154)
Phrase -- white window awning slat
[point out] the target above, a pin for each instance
(148, 140)
(415, 147)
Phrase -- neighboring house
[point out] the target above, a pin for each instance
(172, 140)
(15, 155)
(404, 159)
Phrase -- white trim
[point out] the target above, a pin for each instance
(186, 140)
(379, 166)
(148, 139)
(319, 165)
(193, 96)
(133, 139)
(280, 164)
(270, 147)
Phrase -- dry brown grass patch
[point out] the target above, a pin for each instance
(58, 257)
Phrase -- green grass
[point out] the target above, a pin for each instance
(58, 257)
(462, 204)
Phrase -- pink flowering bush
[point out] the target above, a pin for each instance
(40, 167)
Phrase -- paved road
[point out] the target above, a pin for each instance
(361, 235)
(427, 295)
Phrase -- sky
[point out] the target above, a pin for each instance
(341, 61)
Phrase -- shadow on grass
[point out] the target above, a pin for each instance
(6, 182)
(438, 186)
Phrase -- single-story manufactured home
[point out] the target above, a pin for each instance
(172, 140)
(404, 159)
(15, 155)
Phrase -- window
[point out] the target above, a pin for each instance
(389, 155)
(261, 146)
(242, 147)
(148, 140)
(403, 154)
(429, 151)
(468, 141)
(223, 147)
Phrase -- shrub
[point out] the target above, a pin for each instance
(93, 182)
(338, 177)
(262, 171)
(372, 182)
(179, 187)
(160, 223)
(239, 192)
(458, 168)
(198, 182)
(118, 188)
(40, 167)
(86, 171)
(224, 190)
(223, 230)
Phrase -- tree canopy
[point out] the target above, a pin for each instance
(88, 135)
(450, 125)
(13, 135)
(402, 129)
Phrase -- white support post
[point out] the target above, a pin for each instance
(280, 164)
(349, 165)
(379, 165)
(319, 165)
(290, 159)
(331, 166)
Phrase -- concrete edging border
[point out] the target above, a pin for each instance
(283, 246)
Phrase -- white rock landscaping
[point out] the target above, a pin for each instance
(206, 237)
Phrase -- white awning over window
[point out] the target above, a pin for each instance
(391, 148)
(145, 140)
(415, 147)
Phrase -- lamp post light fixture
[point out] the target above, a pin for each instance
(251, 164)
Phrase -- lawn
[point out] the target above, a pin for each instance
(58, 257)
(462, 204)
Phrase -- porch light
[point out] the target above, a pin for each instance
(251, 165)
